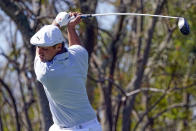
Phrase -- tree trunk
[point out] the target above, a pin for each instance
(1, 124)
(136, 82)
(89, 37)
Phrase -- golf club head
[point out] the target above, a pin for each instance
(183, 26)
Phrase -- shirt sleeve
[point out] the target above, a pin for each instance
(35, 61)
(80, 54)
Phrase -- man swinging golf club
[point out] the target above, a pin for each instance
(63, 72)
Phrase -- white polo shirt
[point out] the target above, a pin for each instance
(64, 81)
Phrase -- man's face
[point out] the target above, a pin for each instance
(47, 53)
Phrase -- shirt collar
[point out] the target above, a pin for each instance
(61, 56)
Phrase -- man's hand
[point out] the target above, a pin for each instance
(75, 20)
(64, 18)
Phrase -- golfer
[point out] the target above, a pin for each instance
(63, 72)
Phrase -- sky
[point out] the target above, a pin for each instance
(8, 29)
(105, 22)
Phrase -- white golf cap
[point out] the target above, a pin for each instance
(48, 35)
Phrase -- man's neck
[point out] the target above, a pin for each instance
(62, 51)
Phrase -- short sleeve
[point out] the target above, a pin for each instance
(36, 67)
(80, 54)
(36, 61)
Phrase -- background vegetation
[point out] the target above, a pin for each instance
(141, 69)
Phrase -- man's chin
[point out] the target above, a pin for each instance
(42, 60)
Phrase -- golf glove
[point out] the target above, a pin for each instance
(63, 18)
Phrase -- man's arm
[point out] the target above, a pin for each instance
(73, 36)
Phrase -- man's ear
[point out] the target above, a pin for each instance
(58, 47)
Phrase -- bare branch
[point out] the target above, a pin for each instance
(144, 90)
(112, 81)
(18, 126)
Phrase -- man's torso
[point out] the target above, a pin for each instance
(64, 82)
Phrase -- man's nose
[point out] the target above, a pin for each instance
(40, 51)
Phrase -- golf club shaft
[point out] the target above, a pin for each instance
(132, 14)
(182, 22)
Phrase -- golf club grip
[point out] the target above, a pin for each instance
(85, 16)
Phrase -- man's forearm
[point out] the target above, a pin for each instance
(73, 37)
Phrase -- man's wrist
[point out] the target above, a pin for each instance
(71, 28)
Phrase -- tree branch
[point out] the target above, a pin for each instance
(18, 126)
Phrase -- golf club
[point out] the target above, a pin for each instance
(182, 22)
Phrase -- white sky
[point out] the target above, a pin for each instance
(105, 22)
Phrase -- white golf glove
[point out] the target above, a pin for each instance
(63, 18)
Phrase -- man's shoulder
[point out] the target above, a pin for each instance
(78, 51)
(77, 48)
(80, 55)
